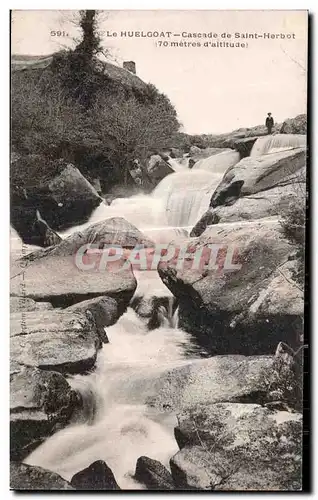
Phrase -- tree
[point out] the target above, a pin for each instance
(77, 69)
(129, 129)
(90, 44)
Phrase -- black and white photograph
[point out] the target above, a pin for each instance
(158, 201)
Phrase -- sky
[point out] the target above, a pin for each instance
(214, 90)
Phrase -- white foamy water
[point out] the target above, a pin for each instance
(170, 211)
(186, 196)
(218, 163)
(124, 427)
(117, 425)
(276, 143)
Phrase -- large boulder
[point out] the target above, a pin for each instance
(274, 380)
(115, 231)
(29, 477)
(254, 174)
(232, 378)
(265, 204)
(228, 140)
(74, 196)
(244, 146)
(238, 447)
(104, 310)
(62, 281)
(230, 308)
(153, 474)
(43, 235)
(158, 168)
(98, 476)
(58, 191)
(40, 401)
(62, 341)
(297, 125)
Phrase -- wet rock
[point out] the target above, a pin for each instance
(156, 310)
(153, 474)
(230, 310)
(228, 140)
(268, 203)
(74, 196)
(62, 341)
(114, 231)
(46, 236)
(175, 153)
(39, 401)
(104, 310)
(195, 150)
(58, 191)
(238, 447)
(244, 146)
(98, 476)
(29, 477)
(255, 174)
(216, 379)
(62, 282)
(158, 168)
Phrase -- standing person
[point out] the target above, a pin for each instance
(269, 123)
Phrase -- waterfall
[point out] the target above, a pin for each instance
(218, 163)
(186, 196)
(178, 166)
(173, 208)
(275, 143)
(118, 424)
(124, 427)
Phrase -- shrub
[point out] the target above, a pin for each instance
(97, 122)
(293, 226)
(128, 129)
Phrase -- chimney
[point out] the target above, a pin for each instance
(130, 66)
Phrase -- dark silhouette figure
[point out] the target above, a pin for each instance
(269, 123)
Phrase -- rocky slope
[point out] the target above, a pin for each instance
(244, 310)
(239, 411)
(48, 344)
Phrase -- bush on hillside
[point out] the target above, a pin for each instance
(53, 117)
(43, 119)
(128, 129)
(293, 226)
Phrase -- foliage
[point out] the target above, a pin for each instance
(44, 120)
(74, 110)
(293, 226)
(128, 129)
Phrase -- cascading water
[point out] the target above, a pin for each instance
(117, 425)
(173, 208)
(218, 163)
(186, 196)
(275, 143)
(124, 427)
